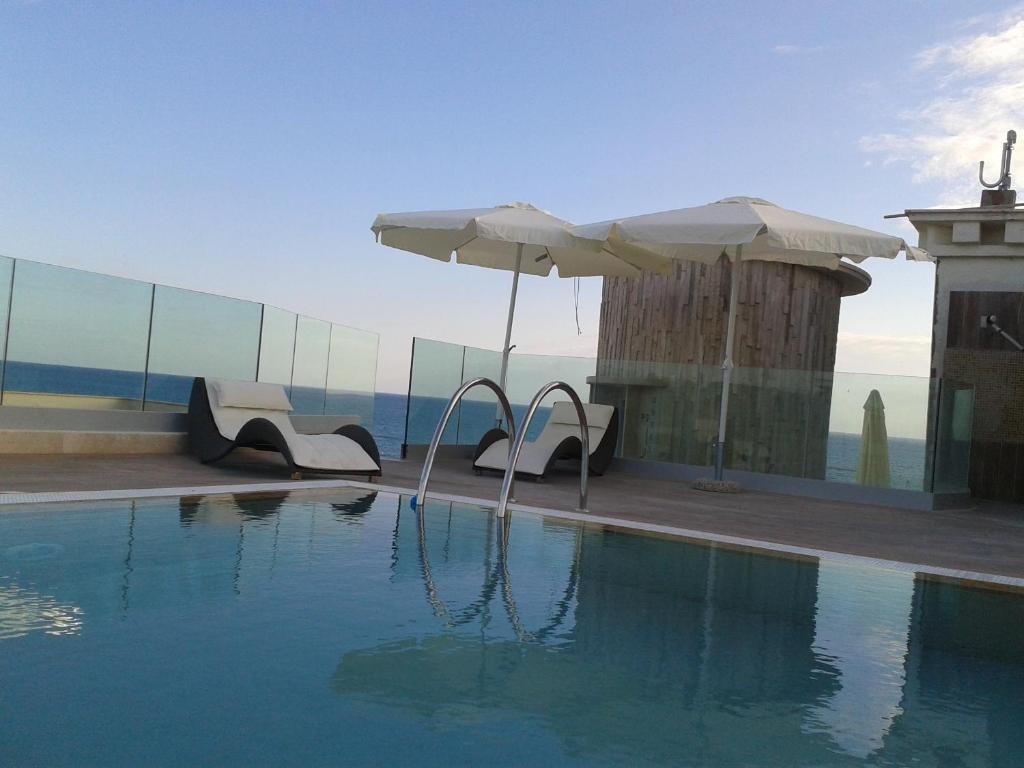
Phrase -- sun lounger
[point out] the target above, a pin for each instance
(560, 439)
(224, 415)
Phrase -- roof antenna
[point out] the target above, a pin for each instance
(1002, 195)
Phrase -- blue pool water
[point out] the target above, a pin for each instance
(328, 628)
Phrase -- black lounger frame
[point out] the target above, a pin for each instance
(208, 445)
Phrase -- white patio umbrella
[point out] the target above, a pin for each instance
(516, 237)
(744, 229)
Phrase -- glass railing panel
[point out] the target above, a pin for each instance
(198, 334)
(778, 421)
(528, 373)
(277, 347)
(6, 276)
(804, 424)
(352, 374)
(76, 339)
(478, 411)
(667, 412)
(309, 378)
(953, 415)
(435, 375)
(903, 403)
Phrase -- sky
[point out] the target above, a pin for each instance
(244, 149)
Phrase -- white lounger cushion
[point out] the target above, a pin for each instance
(249, 394)
(562, 423)
(327, 452)
(335, 452)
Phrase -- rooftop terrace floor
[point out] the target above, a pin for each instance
(988, 539)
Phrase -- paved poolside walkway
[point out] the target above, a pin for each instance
(987, 539)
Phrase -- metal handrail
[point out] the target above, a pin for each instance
(517, 446)
(428, 462)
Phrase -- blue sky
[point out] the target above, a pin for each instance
(245, 148)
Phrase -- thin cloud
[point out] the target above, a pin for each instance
(882, 354)
(975, 94)
(786, 49)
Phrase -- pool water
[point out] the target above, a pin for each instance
(330, 628)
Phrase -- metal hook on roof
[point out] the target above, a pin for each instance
(1003, 182)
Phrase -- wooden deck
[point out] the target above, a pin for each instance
(988, 539)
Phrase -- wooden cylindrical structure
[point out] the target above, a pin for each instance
(661, 347)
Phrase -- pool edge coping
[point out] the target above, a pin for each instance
(51, 497)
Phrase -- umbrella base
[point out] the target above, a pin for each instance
(716, 486)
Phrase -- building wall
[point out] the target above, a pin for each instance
(973, 273)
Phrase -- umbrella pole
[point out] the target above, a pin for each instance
(727, 364)
(508, 327)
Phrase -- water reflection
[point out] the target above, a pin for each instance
(964, 694)
(862, 625)
(490, 570)
(544, 638)
(127, 556)
(229, 509)
(718, 655)
(354, 511)
(24, 611)
(662, 646)
(496, 572)
(262, 509)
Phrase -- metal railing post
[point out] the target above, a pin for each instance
(428, 462)
(517, 446)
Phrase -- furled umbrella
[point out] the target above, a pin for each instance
(516, 237)
(873, 464)
(744, 229)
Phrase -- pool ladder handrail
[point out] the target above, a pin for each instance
(435, 442)
(517, 445)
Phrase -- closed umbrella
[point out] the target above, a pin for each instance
(873, 465)
(516, 237)
(744, 229)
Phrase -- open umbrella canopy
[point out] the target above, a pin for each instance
(495, 238)
(516, 237)
(764, 230)
(744, 229)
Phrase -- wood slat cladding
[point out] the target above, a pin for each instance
(661, 343)
(966, 308)
(788, 316)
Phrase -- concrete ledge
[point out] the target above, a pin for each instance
(32, 430)
(51, 441)
(13, 417)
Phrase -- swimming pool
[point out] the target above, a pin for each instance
(331, 628)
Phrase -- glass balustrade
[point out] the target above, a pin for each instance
(900, 432)
(76, 339)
